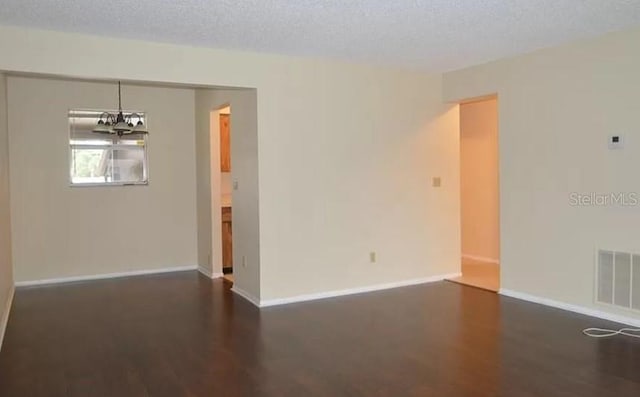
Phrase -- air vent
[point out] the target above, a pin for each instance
(618, 279)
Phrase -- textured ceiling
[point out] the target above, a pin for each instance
(435, 35)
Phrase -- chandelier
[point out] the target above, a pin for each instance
(120, 123)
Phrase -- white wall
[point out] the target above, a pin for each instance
(346, 154)
(6, 268)
(60, 231)
(479, 190)
(226, 184)
(557, 108)
(244, 170)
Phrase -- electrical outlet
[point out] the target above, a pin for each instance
(372, 257)
(437, 181)
(616, 142)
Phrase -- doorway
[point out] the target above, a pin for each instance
(226, 207)
(479, 194)
(239, 189)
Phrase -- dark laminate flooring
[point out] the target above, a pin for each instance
(182, 334)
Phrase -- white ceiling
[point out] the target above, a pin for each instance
(435, 35)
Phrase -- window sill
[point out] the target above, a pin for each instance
(111, 184)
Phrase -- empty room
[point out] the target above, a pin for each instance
(319, 198)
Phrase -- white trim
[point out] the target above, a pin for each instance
(207, 273)
(358, 290)
(481, 258)
(246, 295)
(5, 315)
(104, 276)
(572, 308)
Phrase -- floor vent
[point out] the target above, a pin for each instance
(618, 279)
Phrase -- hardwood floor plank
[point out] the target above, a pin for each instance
(182, 334)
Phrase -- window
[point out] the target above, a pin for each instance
(105, 159)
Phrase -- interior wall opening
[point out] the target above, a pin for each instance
(157, 188)
(226, 148)
(480, 194)
(222, 118)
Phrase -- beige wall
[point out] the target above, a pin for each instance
(244, 170)
(347, 171)
(60, 231)
(6, 269)
(557, 108)
(346, 155)
(479, 192)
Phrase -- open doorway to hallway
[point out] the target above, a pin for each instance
(479, 194)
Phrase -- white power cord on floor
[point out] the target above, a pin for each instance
(606, 333)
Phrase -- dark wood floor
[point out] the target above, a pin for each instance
(185, 335)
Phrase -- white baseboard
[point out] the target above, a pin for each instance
(572, 308)
(5, 315)
(353, 291)
(481, 258)
(246, 295)
(104, 276)
(208, 273)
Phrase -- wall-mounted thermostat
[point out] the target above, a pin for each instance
(616, 142)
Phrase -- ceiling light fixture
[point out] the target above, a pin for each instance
(120, 124)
